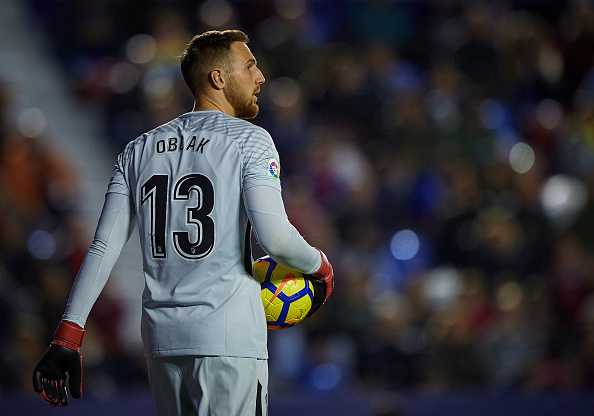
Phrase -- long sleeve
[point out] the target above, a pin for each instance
(114, 228)
(275, 233)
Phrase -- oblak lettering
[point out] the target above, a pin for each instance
(176, 144)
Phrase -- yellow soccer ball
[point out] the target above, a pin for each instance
(287, 294)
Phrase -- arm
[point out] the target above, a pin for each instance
(63, 355)
(275, 234)
(114, 228)
(281, 240)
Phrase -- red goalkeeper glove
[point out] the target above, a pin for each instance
(61, 357)
(323, 281)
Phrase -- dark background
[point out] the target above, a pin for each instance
(440, 152)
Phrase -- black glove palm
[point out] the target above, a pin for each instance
(49, 377)
(319, 294)
(62, 356)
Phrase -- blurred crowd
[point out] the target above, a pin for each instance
(441, 152)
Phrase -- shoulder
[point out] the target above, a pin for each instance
(246, 135)
(243, 128)
(134, 145)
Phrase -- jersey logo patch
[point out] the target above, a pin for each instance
(273, 168)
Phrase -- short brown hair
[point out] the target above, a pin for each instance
(204, 53)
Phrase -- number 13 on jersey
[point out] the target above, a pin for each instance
(155, 193)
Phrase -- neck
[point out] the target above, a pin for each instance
(206, 103)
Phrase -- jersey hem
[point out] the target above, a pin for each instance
(262, 355)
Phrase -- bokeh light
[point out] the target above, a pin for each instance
(41, 244)
(158, 83)
(521, 157)
(379, 287)
(123, 77)
(492, 113)
(285, 91)
(509, 296)
(562, 197)
(405, 244)
(32, 122)
(141, 49)
(442, 286)
(216, 13)
(290, 9)
(325, 376)
(443, 109)
(549, 113)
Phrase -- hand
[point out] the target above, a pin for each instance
(62, 356)
(323, 281)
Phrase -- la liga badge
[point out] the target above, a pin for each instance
(273, 168)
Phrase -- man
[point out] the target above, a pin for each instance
(194, 185)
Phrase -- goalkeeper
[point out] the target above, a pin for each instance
(195, 186)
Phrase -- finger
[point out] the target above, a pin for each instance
(62, 393)
(75, 383)
(51, 401)
(50, 391)
(56, 400)
(37, 383)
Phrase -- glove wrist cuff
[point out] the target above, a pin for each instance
(69, 335)
(325, 267)
(69, 345)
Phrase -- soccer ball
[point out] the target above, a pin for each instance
(286, 294)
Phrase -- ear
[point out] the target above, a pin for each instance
(217, 78)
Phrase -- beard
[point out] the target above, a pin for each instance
(242, 103)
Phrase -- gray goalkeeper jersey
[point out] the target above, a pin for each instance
(186, 179)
